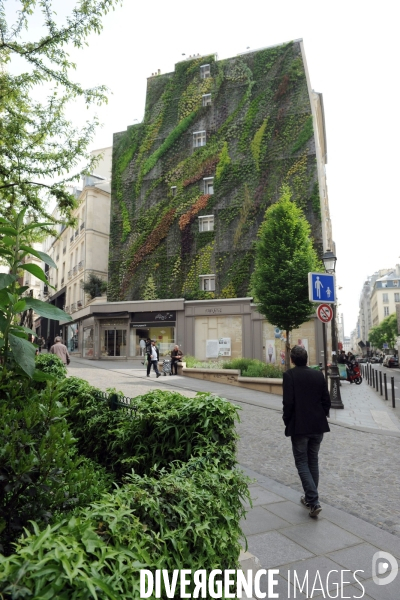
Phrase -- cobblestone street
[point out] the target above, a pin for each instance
(359, 470)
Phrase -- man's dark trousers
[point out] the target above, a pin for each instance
(305, 451)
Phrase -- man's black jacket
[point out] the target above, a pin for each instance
(306, 401)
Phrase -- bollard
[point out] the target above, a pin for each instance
(385, 380)
(376, 381)
(380, 382)
(393, 398)
(370, 375)
(373, 378)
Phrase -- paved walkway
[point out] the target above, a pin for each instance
(359, 478)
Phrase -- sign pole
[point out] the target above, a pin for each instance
(325, 350)
(336, 400)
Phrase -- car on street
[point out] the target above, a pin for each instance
(393, 361)
(388, 358)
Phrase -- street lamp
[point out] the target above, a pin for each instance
(329, 260)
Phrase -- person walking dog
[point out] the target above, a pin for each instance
(306, 405)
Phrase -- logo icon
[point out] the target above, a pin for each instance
(381, 561)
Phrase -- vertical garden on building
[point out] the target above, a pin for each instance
(191, 184)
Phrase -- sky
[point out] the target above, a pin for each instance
(352, 55)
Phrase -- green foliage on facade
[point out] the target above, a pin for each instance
(258, 120)
(385, 332)
(284, 257)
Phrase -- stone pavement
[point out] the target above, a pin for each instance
(359, 486)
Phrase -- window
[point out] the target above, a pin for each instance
(206, 99)
(173, 190)
(385, 311)
(397, 297)
(396, 283)
(208, 185)
(207, 283)
(206, 223)
(385, 298)
(199, 139)
(205, 71)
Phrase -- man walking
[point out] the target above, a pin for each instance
(60, 350)
(306, 405)
(155, 354)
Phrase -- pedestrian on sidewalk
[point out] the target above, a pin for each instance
(60, 350)
(306, 405)
(176, 356)
(155, 355)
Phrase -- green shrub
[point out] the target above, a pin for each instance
(193, 363)
(41, 475)
(188, 518)
(167, 427)
(251, 367)
(52, 364)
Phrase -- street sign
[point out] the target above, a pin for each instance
(325, 313)
(385, 345)
(321, 288)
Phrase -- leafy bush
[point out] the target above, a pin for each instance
(52, 364)
(188, 518)
(167, 427)
(251, 367)
(193, 363)
(41, 475)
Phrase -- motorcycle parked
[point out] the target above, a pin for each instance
(354, 373)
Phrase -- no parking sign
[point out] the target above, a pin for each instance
(325, 313)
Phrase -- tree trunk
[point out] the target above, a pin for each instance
(287, 351)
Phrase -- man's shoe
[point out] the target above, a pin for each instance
(315, 510)
(158, 375)
(304, 502)
(148, 375)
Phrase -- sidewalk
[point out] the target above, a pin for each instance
(281, 535)
(279, 531)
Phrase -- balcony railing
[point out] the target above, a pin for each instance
(69, 274)
(73, 307)
(80, 303)
(71, 239)
(66, 309)
(82, 226)
(76, 232)
(80, 264)
(75, 270)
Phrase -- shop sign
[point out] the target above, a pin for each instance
(143, 319)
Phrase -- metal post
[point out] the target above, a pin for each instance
(385, 380)
(370, 375)
(325, 351)
(376, 381)
(380, 382)
(336, 400)
(373, 378)
(393, 398)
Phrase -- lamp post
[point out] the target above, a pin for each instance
(329, 260)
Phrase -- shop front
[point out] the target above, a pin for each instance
(159, 326)
(113, 338)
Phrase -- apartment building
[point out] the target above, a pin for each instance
(78, 251)
(385, 296)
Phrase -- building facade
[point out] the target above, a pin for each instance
(385, 295)
(78, 251)
(191, 184)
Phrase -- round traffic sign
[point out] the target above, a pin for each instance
(325, 313)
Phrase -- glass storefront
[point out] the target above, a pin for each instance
(88, 344)
(113, 342)
(72, 341)
(163, 336)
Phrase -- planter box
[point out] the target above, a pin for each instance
(233, 377)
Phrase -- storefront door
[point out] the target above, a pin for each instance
(113, 342)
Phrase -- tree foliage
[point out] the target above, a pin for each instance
(16, 352)
(385, 332)
(94, 286)
(284, 257)
(39, 146)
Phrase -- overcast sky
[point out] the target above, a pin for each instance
(352, 54)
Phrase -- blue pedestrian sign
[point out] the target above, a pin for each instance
(321, 287)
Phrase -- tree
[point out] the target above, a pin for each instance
(16, 352)
(39, 146)
(284, 257)
(384, 333)
(94, 286)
